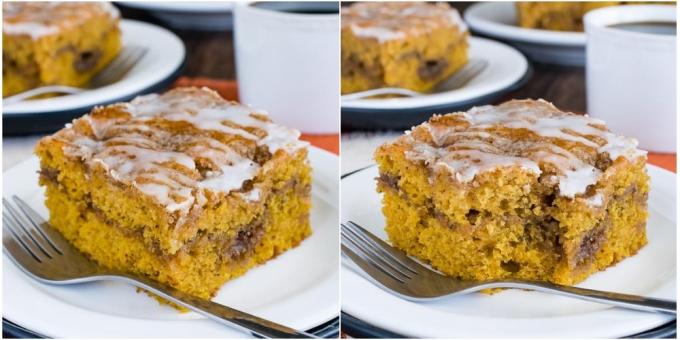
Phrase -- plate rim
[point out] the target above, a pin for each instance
(133, 24)
(351, 324)
(329, 312)
(518, 34)
(382, 105)
(413, 333)
(153, 6)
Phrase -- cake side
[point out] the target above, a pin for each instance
(202, 265)
(410, 45)
(556, 16)
(184, 187)
(520, 190)
(183, 157)
(57, 43)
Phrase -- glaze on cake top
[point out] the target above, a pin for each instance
(386, 21)
(534, 135)
(179, 147)
(38, 19)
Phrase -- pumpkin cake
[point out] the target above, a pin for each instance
(184, 187)
(413, 45)
(521, 190)
(56, 43)
(565, 16)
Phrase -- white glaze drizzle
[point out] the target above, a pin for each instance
(38, 19)
(132, 150)
(381, 34)
(471, 148)
(214, 116)
(253, 195)
(33, 29)
(394, 21)
(596, 200)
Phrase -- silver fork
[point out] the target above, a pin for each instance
(43, 254)
(400, 275)
(470, 70)
(112, 73)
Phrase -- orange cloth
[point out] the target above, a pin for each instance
(229, 90)
(667, 161)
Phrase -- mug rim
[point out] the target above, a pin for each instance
(316, 17)
(601, 19)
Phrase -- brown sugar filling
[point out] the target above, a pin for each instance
(590, 244)
(353, 65)
(50, 175)
(87, 60)
(432, 69)
(543, 231)
(231, 249)
(389, 181)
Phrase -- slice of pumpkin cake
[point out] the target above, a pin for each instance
(184, 187)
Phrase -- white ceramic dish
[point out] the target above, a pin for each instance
(498, 20)
(516, 313)
(506, 67)
(298, 289)
(196, 15)
(164, 57)
(646, 95)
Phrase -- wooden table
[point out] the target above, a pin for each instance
(209, 54)
(563, 86)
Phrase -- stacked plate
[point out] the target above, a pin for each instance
(158, 68)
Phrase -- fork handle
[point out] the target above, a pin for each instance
(616, 299)
(216, 311)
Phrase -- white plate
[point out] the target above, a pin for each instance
(163, 58)
(299, 288)
(517, 313)
(197, 15)
(499, 20)
(182, 6)
(506, 67)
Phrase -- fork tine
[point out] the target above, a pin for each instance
(106, 75)
(375, 261)
(388, 250)
(17, 252)
(62, 245)
(119, 62)
(12, 235)
(375, 256)
(118, 68)
(366, 263)
(378, 248)
(36, 220)
(13, 217)
(378, 276)
(125, 64)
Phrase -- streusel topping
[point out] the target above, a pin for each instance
(395, 20)
(179, 146)
(573, 150)
(38, 19)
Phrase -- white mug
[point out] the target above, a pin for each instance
(288, 62)
(630, 76)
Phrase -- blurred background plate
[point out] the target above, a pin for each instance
(507, 71)
(196, 15)
(498, 20)
(156, 70)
